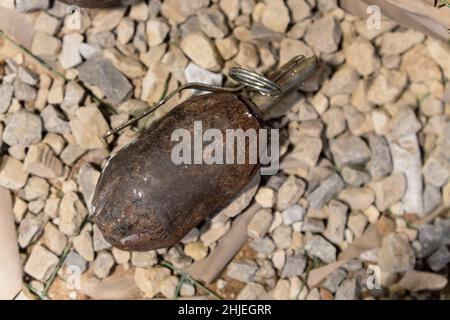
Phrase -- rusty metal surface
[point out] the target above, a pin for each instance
(144, 201)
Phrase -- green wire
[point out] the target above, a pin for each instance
(186, 276)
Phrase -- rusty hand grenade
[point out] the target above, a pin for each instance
(144, 201)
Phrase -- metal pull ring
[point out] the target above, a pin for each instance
(246, 79)
(255, 81)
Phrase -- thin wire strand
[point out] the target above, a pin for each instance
(246, 78)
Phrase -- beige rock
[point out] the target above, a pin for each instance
(446, 194)
(211, 235)
(103, 264)
(407, 158)
(98, 240)
(12, 174)
(334, 118)
(30, 229)
(282, 236)
(144, 259)
(187, 290)
(196, 250)
(35, 188)
(107, 19)
(386, 87)
(344, 81)
(132, 106)
(357, 198)
(337, 218)
(71, 153)
(281, 291)
(53, 239)
(349, 150)
(70, 54)
(279, 259)
(41, 162)
(179, 10)
(51, 207)
(440, 52)
(243, 200)
(154, 83)
(251, 291)
(354, 177)
(169, 287)
(358, 123)
(23, 128)
(380, 121)
(400, 42)
(56, 93)
(299, 30)
(82, 243)
(71, 214)
(290, 192)
(267, 57)
(248, 56)
(202, 51)
(45, 45)
(276, 16)
(19, 209)
(260, 223)
(372, 214)
(432, 106)
(357, 223)
(121, 257)
(125, 30)
(265, 197)
(231, 8)
(47, 24)
(40, 264)
(389, 191)
(156, 32)
(130, 67)
(436, 171)
(291, 48)
(36, 206)
(396, 254)
(415, 281)
(420, 66)
(9, 4)
(300, 9)
(243, 34)
(139, 11)
(320, 102)
(324, 34)
(359, 97)
(403, 123)
(212, 23)
(360, 54)
(298, 290)
(258, 11)
(228, 47)
(307, 151)
(88, 127)
(149, 281)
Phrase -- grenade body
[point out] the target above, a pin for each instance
(144, 201)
